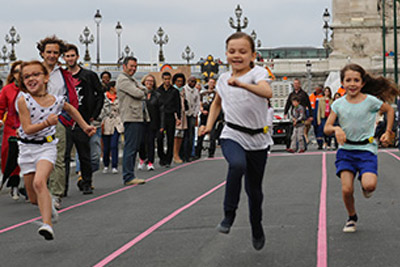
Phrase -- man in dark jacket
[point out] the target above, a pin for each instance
(91, 100)
(303, 98)
(172, 110)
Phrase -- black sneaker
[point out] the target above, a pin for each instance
(258, 243)
(87, 190)
(79, 183)
(224, 229)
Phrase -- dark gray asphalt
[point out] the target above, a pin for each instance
(92, 231)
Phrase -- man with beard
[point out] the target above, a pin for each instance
(91, 99)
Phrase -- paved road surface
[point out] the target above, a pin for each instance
(171, 220)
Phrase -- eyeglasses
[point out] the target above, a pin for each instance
(16, 70)
(34, 75)
(149, 81)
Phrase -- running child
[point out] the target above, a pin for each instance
(245, 139)
(38, 112)
(357, 153)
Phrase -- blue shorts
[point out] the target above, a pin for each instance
(356, 161)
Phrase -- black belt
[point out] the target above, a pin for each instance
(362, 142)
(47, 139)
(247, 130)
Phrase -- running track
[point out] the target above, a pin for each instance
(189, 207)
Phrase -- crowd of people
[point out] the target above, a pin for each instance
(42, 101)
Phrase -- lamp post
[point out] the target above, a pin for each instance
(128, 52)
(13, 39)
(187, 54)
(239, 26)
(326, 17)
(308, 69)
(97, 20)
(118, 30)
(5, 55)
(86, 39)
(253, 35)
(160, 41)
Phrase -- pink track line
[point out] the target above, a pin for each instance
(392, 154)
(150, 230)
(96, 198)
(322, 247)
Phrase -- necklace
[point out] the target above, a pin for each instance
(41, 95)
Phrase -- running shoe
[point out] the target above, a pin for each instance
(350, 227)
(114, 170)
(46, 231)
(57, 203)
(141, 164)
(54, 212)
(105, 170)
(150, 166)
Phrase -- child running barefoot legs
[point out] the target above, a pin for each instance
(38, 113)
(242, 94)
(356, 112)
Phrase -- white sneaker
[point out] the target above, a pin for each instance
(150, 167)
(105, 170)
(350, 227)
(140, 165)
(14, 193)
(114, 170)
(46, 231)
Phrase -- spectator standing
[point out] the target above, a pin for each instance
(314, 101)
(172, 106)
(112, 129)
(178, 81)
(11, 123)
(155, 127)
(61, 83)
(133, 111)
(192, 96)
(298, 116)
(324, 109)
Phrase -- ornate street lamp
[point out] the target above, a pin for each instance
(13, 39)
(118, 30)
(187, 54)
(326, 17)
(253, 35)
(97, 20)
(308, 69)
(128, 52)
(239, 26)
(5, 55)
(160, 41)
(86, 39)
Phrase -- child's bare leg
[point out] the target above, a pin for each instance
(28, 181)
(369, 181)
(347, 179)
(43, 169)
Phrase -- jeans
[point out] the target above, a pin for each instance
(251, 164)
(166, 158)
(95, 150)
(147, 145)
(110, 143)
(133, 136)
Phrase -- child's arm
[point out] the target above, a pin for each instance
(25, 119)
(262, 88)
(215, 109)
(329, 129)
(388, 137)
(74, 113)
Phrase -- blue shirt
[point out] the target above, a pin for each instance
(358, 121)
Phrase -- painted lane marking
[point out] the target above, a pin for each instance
(12, 227)
(322, 247)
(150, 230)
(392, 154)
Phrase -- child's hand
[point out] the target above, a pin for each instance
(52, 119)
(90, 130)
(234, 82)
(203, 130)
(340, 136)
(387, 138)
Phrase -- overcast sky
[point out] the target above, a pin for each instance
(203, 25)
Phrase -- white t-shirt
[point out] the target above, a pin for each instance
(241, 107)
(56, 84)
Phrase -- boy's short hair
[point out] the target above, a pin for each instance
(295, 98)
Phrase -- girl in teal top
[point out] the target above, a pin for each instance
(356, 112)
